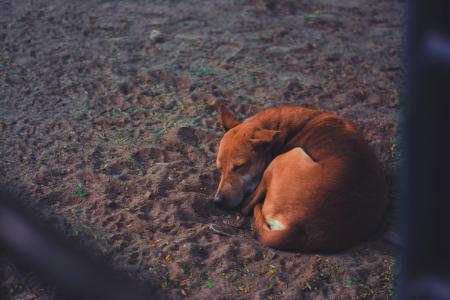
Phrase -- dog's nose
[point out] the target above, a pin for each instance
(218, 198)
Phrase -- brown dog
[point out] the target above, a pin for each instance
(310, 178)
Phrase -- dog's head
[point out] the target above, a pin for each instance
(243, 155)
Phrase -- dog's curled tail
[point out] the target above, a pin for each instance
(284, 239)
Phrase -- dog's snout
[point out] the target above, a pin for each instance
(218, 198)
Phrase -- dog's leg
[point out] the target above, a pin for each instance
(257, 196)
(289, 238)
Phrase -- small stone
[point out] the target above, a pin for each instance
(147, 195)
(210, 101)
(155, 36)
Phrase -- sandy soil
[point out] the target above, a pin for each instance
(109, 121)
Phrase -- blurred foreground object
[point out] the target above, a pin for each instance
(425, 166)
(78, 275)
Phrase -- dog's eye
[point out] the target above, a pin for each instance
(237, 166)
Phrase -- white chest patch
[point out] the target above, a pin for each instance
(274, 224)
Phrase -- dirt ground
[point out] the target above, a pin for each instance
(109, 120)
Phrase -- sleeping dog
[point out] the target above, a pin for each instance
(310, 179)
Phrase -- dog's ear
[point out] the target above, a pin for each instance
(264, 137)
(228, 119)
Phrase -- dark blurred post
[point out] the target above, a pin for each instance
(425, 173)
(76, 273)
